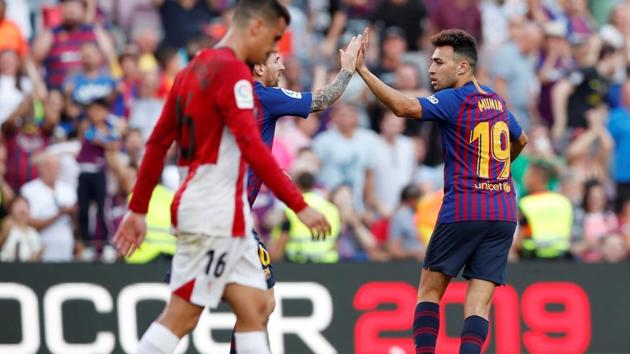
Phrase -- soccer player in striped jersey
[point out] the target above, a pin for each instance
(272, 103)
(477, 221)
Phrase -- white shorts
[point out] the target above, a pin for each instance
(204, 265)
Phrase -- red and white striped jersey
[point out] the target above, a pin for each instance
(209, 112)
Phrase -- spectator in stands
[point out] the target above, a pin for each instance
(539, 12)
(589, 154)
(409, 15)
(619, 127)
(146, 109)
(583, 89)
(170, 63)
(91, 81)
(356, 241)
(513, 69)
(130, 80)
(6, 192)
(403, 241)
(53, 207)
(598, 223)
(59, 49)
(294, 76)
(11, 37)
(147, 41)
(462, 14)
(100, 137)
(579, 18)
(24, 137)
(393, 47)
(394, 164)
(13, 85)
(346, 154)
(183, 20)
(554, 63)
(295, 242)
(546, 217)
(22, 243)
(427, 178)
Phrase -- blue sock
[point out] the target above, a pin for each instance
(473, 335)
(233, 344)
(426, 324)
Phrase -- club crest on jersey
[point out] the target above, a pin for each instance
(433, 99)
(292, 94)
(243, 93)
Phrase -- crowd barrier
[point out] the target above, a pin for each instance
(364, 308)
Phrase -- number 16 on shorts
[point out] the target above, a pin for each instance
(204, 265)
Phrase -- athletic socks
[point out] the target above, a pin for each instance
(251, 342)
(158, 340)
(426, 324)
(473, 335)
(233, 343)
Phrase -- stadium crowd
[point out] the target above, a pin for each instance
(82, 83)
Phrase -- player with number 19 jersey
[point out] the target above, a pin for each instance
(476, 129)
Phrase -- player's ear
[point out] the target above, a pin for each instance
(259, 70)
(462, 67)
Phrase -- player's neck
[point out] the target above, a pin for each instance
(234, 41)
(466, 79)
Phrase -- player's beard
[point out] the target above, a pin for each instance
(276, 82)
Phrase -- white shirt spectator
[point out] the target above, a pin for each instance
(21, 245)
(11, 96)
(145, 113)
(345, 160)
(394, 167)
(58, 238)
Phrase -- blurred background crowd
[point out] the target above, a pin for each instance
(82, 83)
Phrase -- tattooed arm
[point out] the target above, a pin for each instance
(330, 93)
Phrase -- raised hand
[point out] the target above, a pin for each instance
(349, 56)
(360, 63)
(130, 234)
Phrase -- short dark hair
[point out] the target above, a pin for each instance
(606, 51)
(306, 181)
(410, 192)
(589, 185)
(269, 9)
(463, 43)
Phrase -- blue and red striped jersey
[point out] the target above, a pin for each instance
(476, 129)
(273, 103)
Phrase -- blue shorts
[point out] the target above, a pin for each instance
(265, 262)
(480, 247)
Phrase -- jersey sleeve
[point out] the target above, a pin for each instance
(514, 127)
(441, 106)
(236, 103)
(152, 163)
(281, 102)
